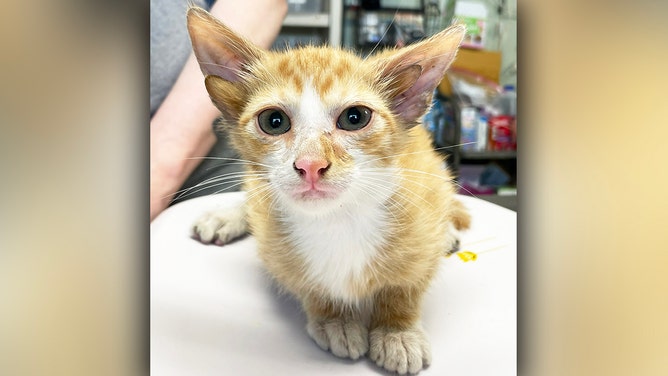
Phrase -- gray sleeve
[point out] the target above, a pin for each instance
(170, 45)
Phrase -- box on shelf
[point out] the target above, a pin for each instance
(484, 113)
(469, 122)
(469, 181)
(483, 180)
(463, 125)
(473, 14)
(485, 63)
(501, 133)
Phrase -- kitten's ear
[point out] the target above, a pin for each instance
(219, 50)
(411, 74)
(226, 96)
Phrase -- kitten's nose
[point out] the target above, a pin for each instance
(311, 169)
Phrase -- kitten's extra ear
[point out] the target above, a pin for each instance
(219, 50)
(411, 74)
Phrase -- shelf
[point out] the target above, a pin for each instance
(508, 202)
(307, 20)
(499, 154)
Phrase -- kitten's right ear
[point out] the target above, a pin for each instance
(410, 74)
(219, 50)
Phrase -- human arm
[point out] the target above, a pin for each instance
(182, 127)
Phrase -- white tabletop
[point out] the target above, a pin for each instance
(215, 312)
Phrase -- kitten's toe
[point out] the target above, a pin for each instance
(204, 229)
(399, 351)
(454, 249)
(344, 338)
(220, 227)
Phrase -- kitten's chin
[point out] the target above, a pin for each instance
(310, 195)
(315, 198)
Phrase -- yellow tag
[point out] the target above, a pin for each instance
(467, 256)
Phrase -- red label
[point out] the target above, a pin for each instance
(501, 135)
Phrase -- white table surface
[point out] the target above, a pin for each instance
(215, 312)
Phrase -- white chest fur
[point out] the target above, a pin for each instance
(337, 248)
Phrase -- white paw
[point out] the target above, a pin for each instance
(220, 227)
(400, 351)
(345, 338)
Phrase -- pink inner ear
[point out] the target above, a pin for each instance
(409, 109)
(432, 74)
(434, 56)
(414, 102)
(219, 63)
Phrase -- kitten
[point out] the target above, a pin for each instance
(350, 205)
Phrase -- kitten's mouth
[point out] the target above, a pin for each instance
(314, 192)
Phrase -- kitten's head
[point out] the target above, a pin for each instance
(319, 124)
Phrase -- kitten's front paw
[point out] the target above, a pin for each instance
(220, 227)
(399, 350)
(345, 338)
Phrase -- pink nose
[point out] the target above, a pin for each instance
(311, 169)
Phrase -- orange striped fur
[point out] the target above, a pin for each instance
(361, 255)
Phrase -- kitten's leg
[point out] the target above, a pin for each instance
(461, 220)
(221, 226)
(336, 328)
(461, 217)
(397, 341)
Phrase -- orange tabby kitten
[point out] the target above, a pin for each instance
(350, 206)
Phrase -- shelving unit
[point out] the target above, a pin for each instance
(320, 27)
(499, 154)
(506, 160)
(367, 29)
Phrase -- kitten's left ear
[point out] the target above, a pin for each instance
(219, 50)
(411, 74)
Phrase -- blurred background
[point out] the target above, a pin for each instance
(590, 158)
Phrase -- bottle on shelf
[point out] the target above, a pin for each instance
(501, 123)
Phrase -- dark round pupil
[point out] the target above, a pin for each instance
(275, 119)
(354, 115)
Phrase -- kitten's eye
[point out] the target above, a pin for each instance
(354, 118)
(274, 121)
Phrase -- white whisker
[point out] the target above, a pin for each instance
(414, 152)
(382, 36)
(380, 177)
(215, 179)
(401, 192)
(380, 173)
(233, 159)
(234, 184)
(368, 188)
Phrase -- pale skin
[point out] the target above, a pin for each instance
(181, 129)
